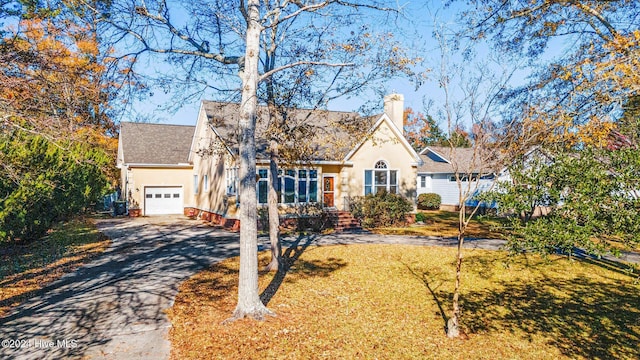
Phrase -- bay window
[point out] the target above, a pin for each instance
(295, 186)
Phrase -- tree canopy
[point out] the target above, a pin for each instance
(56, 136)
(586, 60)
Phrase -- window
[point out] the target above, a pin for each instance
(232, 181)
(464, 177)
(167, 196)
(205, 183)
(195, 184)
(289, 187)
(149, 196)
(263, 185)
(380, 179)
(295, 186)
(423, 181)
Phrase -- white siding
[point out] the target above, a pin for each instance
(447, 189)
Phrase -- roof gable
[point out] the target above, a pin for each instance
(312, 134)
(155, 144)
(384, 119)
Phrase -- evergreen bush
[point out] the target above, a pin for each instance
(429, 201)
(381, 209)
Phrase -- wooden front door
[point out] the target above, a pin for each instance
(328, 191)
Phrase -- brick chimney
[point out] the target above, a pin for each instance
(394, 108)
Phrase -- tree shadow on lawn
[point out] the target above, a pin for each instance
(580, 316)
(291, 263)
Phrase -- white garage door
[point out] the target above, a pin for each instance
(163, 200)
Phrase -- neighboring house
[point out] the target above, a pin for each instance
(341, 156)
(437, 174)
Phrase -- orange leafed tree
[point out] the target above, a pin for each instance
(52, 83)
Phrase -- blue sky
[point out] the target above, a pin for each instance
(418, 34)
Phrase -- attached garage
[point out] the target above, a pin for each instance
(163, 200)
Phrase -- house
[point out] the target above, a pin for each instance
(340, 156)
(328, 158)
(437, 174)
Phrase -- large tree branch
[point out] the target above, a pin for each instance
(596, 14)
(221, 58)
(300, 63)
(309, 7)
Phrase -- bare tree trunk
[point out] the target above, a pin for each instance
(249, 303)
(274, 217)
(453, 325)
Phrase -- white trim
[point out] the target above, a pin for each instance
(296, 179)
(202, 114)
(423, 152)
(373, 185)
(146, 165)
(312, 162)
(334, 176)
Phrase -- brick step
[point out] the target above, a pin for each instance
(344, 221)
(353, 222)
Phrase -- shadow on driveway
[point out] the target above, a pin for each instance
(95, 311)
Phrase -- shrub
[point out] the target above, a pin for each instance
(381, 209)
(421, 217)
(429, 201)
(51, 184)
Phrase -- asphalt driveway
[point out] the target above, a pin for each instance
(113, 308)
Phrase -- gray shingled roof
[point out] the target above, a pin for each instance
(144, 143)
(320, 135)
(460, 157)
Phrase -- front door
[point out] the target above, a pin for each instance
(328, 191)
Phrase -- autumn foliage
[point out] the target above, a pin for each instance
(51, 82)
(57, 141)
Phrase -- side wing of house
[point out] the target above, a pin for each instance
(383, 161)
(154, 167)
(214, 176)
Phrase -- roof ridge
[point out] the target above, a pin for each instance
(293, 108)
(146, 123)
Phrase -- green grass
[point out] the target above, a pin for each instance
(26, 268)
(392, 301)
(445, 224)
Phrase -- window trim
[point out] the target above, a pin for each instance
(283, 175)
(380, 165)
(231, 180)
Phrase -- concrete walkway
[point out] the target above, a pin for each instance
(114, 307)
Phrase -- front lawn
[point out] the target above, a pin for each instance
(27, 268)
(445, 224)
(385, 301)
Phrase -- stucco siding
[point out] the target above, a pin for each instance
(382, 145)
(211, 161)
(139, 178)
